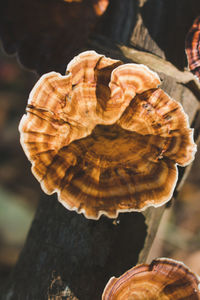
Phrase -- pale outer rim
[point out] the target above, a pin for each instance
(113, 278)
(102, 212)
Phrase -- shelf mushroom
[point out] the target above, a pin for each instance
(100, 6)
(192, 47)
(105, 137)
(163, 279)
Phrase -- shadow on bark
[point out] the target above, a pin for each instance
(79, 255)
(171, 21)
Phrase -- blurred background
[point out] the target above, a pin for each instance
(178, 236)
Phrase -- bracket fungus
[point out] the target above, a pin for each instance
(163, 279)
(100, 6)
(192, 47)
(105, 137)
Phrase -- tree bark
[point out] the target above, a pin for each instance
(67, 256)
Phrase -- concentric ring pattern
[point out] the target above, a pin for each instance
(105, 137)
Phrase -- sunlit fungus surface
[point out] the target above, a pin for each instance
(163, 279)
(99, 5)
(105, 137)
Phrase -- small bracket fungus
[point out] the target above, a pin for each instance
(100, 6)
(192, 47)
(163, 279)
(105, 137)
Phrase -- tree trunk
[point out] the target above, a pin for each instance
(67, 256)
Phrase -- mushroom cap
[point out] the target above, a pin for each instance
(192, 48)
(104, 137)
(99, 5)
(163, 279)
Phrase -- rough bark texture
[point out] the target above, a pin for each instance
(67, 256)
